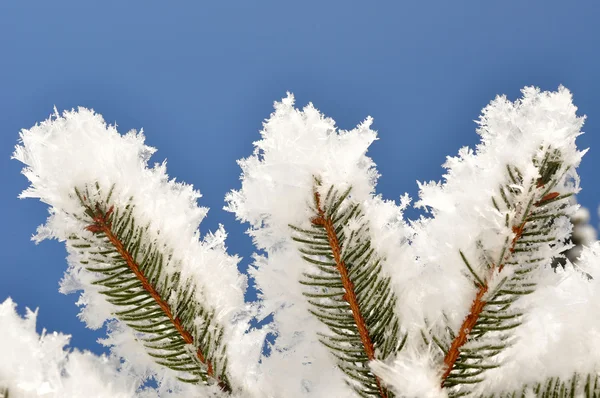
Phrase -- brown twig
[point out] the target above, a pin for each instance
(476, 308)
(101, 224)
(478, 303)
(463, 334)
(350, 295)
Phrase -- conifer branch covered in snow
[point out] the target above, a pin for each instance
(512, 238)
(327, 274)
(135, 251)
(180, 334)
(533, 228)
(363, 303)
(348, 292)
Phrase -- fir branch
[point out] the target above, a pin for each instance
(348, 292)
(534, 211)
(132, 271)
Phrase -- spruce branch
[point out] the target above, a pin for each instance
(531, 213)
(348, 292)
(131, 268)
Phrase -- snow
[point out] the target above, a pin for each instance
(412, 375)
(78, 149)
(561, 331)
(559, 334)
(462, 210)
(463, 218)
(33, 365)
(278, 180)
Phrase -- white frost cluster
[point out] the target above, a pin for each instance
(561, 333)
(78, 148)
(33, 365)
(412, 374)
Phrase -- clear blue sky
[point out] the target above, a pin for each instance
(200, 77)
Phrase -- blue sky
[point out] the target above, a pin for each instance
(200, 77)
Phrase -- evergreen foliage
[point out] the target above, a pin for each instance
(341, 269)
(179, 332)
(531, 210)
(348, 289)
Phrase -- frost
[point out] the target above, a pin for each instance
(78, 149)
(297, 146)
(464, 217)
(561, 333)
(413, 374)
(33, 365)
(436, 264)
(278, 181)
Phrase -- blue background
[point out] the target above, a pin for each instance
(200, 77)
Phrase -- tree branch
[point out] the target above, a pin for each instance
(102, 224)
(350, 295)
(478, 303)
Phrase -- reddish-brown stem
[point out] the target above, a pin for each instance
(350, 295)
(101, 224)
(463, 333)
(478, 303)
